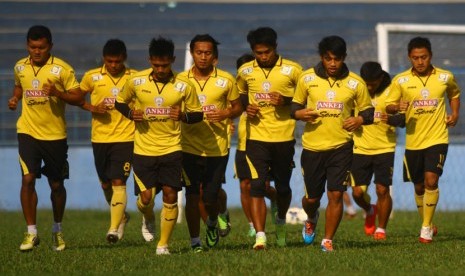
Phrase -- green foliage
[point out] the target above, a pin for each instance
(88, 252)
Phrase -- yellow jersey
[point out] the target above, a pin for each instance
(335, 100)
(272, 123)
(378, 137)
(205, 138)
(43, 117)
(157, 134)
(426, 114)
(112, 126)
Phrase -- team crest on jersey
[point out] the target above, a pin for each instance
(115, 91)
(159, 101)
(352, 84)
(56, 70)
(19, 68)
(402, 80)
(266, 86)
(97, 77)
(424, 93)
(330, 94)
(202, 99)
(286, 70)
(35, 83)
(221, 83)
(309, 78)
(247, 70)
(180, 86)
(138, 81)
(443, 77)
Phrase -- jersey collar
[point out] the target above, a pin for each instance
(190, 73)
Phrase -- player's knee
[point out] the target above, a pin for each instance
(283, 190)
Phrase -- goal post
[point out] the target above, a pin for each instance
(383, 30)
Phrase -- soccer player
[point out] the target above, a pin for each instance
(112, 133)
(267, 86)
(205, 145)
(242, 168)
(44, 84)
(326, 97)
(420, 92)
(162, 100)
(374, 147)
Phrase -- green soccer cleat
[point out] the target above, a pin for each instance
(30, 241)
(281, 235)
(58, 241)
(260, 243)
(224, 225)
(212, 236)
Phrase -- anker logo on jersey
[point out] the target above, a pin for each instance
(35, 93)
(330, 105)
(425, 103)
(262, 96)
(152, 111)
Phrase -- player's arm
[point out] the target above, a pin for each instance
(395, 120)
(231, 112)
(299, 112)
(452, 119)
(73, 96)
(17, 96)
(99, 109)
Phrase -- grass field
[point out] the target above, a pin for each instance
(88, 252)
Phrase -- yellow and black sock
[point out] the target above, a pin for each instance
(118, 206)
(419, 202)
(147, 210)
(168, 218)
(430, 202)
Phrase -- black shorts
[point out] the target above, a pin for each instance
(53, 153)
(417, 162)
(241, 166)
(208, 171)
(331, 167)
(270, 160)
(157, 171)
(364, 166)
(113, 160)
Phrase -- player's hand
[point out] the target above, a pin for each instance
(50, 89)
(101, 108)
(352, 123)
(307, 115)
(451, 120)
(252, 110)
(137, 115)
(276, 98)
(403, 106)
(384, 117)
(217, 115)
(13, 103)
(175, 113)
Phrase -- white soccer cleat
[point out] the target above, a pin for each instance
(148, 229)
(163, 250)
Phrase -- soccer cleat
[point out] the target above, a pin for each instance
(122, 224)
(426, 235)
(58, 241)
(308, 231)
(224, 225)
(197, 248)
(251, 232)
(274, 211)
(112, 236)
(379, 236)
(163, 250)
(260, 243)
(370, 222)
(327, 246)
(212, 236)
(281, 235)
(148, 229)
(29, 242)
